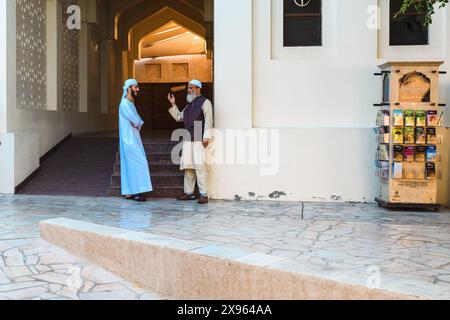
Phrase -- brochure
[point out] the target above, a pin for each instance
(408, 154)
(431, 153)
(421, 137)
(386, 119)
(409, 135)
(398, 170)
(398, 153)
(383, 152)
(420, 153)
(431, 135)
(421, 118)
(432, 118)
(398, 135)
(430, 171)
(410, 120)
(398, 118)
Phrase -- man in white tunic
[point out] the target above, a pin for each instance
(135, 172)
(198, 120)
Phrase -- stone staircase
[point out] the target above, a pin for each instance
(167, 179)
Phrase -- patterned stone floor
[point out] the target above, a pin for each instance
(33, 269)
(403, 251)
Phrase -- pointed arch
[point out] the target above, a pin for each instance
(157, 20)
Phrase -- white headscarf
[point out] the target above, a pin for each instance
(196, 83)
(128, 83)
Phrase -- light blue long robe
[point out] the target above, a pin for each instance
(135, 173)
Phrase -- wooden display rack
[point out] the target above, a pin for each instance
(407, 87)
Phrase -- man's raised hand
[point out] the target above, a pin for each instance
(171, 99)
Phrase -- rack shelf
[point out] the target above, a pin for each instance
(412, 87)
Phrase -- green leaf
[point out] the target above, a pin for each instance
(427, 7)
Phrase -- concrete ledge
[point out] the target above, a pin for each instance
(189, 270)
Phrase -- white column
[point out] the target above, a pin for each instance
(7, 93)
(54, 42)
(7, 64)
(3, 65)
(233, 58)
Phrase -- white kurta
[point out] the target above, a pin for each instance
(194, 153)
(135, 173)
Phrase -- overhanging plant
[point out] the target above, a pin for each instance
(427, 7)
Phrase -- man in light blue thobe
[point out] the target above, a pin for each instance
(135, 173)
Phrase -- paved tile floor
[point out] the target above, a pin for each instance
(404, 251)
(33, 269)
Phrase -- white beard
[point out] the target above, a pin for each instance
(191, 97)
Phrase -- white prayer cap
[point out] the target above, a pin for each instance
(128, 83)
(196, 83)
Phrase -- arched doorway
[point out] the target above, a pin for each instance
(163, 49)
(163, 44)
(170, 56)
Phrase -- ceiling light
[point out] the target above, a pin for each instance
(172, 38)
(165, 31)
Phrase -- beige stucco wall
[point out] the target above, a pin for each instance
(174, 69)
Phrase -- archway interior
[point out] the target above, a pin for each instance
(171, 39)
(170, 56)
(163, 44)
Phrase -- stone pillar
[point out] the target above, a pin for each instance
(107, 70)
(54, 42)
(233, 63)
(84, 67)
(131, 67)
(128, 71)
(125, 67)
(88, 15)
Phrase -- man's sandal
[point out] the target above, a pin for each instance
(139, 198)
(203, 200)
(186, 197)
(136, 197)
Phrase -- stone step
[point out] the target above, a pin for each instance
(153, 157)
(159, 146)
(171, 192)
(161, 179)
(155, 167)
(159, 142)
(167, 179)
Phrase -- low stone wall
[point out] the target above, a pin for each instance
(188, 270)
